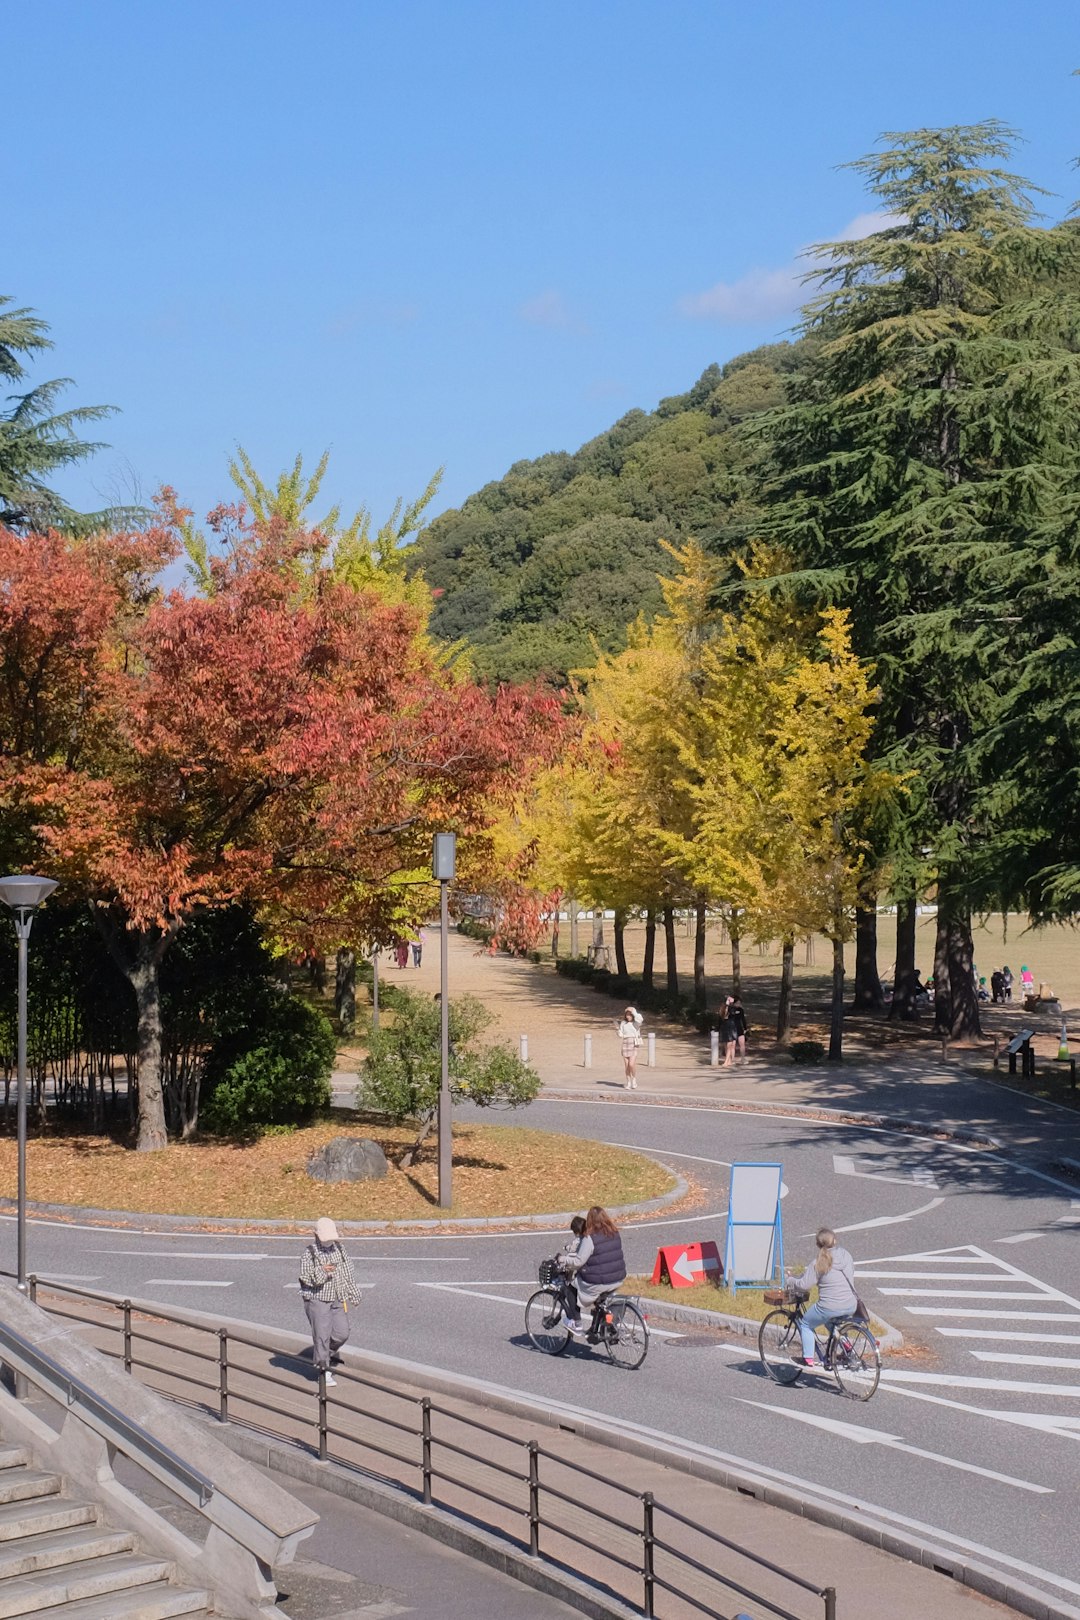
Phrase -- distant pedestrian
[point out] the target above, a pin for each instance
(997, 986)
(1007, 980)
(401, 953)
(418, 946)
(726, 1032)
(327, 1288)
(1027, 981)
(737, 1014)
(629, 1028)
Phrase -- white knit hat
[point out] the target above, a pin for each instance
(325, 1230)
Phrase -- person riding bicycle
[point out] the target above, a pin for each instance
(833, 1273)
(596, 1268)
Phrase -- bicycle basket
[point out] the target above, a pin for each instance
(547, 1273)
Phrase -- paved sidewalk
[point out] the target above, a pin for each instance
(555, 1013)
(480, 1436)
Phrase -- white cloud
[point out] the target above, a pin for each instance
(764, 294)
(550, 309)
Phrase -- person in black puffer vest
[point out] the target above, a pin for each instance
(598, 1266)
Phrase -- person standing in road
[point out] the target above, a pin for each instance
(629, 1028)
(327, 1288)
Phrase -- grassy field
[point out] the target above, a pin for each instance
(498, 1171)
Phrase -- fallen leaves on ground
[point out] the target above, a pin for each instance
(498, 1170)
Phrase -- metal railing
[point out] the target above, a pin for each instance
(626, 1541)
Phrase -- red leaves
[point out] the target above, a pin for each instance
(285, 738)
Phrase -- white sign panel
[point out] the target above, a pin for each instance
(752, 1222)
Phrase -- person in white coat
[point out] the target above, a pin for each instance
(629, 1028)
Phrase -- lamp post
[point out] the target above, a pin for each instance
(442, 870)
(23, 894)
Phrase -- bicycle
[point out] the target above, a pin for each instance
(618, 1323)
(845, 1345)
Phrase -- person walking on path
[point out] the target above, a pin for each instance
(737, 1015)
(629, 1028)
(418, 947)
(726, 1028)
(327, 1288)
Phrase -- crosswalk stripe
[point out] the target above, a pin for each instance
(997, 1316)
(1016, 1360)
(969, 1293)
(951, 1381)
(1002, 1333)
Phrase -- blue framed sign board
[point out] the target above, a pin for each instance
(754, 1251)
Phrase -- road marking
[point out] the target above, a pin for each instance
(178, 1282)
(635, 1147)
(188, 1254)
(886, 1220)
(950, 1293)
(295, 1287)
(845, 1165)
(1016, 1386)
(1066, 1428)
(1018, 1360)
(939, 1276)
(877, 1437)
(997, 1316)
(467, 1292)
(1021, 1237)
(65, 1276)
(1000, 1333)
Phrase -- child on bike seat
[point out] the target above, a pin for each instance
(577, 1229)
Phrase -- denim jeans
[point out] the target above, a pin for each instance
(815, 1317)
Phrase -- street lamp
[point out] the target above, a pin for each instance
(23, 894)
(442, 870)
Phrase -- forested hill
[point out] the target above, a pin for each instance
(565, 548)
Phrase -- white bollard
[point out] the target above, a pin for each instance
(523, 1048)
(714, 1049)
(588, 1051)
(652, 1051)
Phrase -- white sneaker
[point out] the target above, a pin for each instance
(329, 1380)
(575, 1329)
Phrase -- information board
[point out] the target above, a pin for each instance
(755, 1236)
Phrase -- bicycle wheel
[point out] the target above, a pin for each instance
(856, 1360)
(545, 1323)
(780, 1347)
(626, 1336)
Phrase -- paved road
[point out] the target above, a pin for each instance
(972, 1437)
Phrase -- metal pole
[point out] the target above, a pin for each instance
(22, 928)
(648, 1547)
(651, 1038)
(425, 1447)
(587, 1062)
(445, 1121)
(830, 1602)
(534, 1499)
(523, 1048)
(375, 988)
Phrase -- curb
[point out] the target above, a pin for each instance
(746, 1327)
(442, 1525)
(127, 1220)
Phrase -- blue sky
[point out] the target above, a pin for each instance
(455, 233)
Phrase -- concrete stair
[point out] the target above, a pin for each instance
(59, 1561)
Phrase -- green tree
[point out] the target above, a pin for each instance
(402, 1072)
(36, 441)
(927, 446)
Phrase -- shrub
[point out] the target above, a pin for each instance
(807, 1052)
(274, 1070)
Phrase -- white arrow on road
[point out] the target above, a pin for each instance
(877, 1437)
(845, 1165)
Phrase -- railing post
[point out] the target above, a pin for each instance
(425, 1439)
(127, 1335)
(323, 1448)
(648, 1549)
(223, 1374)
(534, 1499)
(31, 1284)
(830, 1603)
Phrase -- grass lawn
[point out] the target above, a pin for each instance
(498, 1170)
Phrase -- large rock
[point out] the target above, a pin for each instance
(348, 1158)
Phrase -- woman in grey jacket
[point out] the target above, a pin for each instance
(833, 1273)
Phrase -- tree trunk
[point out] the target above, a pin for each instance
(144, 979)
(672, 957)
(573, 928)
(345, 989)
(620, 945)
(787, 975)
(942, 999)
(736, 953)
(699, 956)
(869, 996)
(836, 1018)
(650, 949)
(555, 935)
(903, 1001)
(963, 993)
